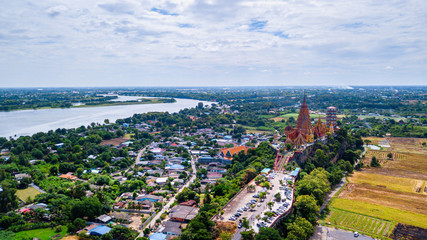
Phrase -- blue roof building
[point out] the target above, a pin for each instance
(100, 230)
(266, 171)
(295, 172)
(206, 159)
(158, 236)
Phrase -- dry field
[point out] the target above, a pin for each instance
(408, 145)
(396, 191)
(115, 141)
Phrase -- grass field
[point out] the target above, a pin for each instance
(23, 194)
(381, 117)
(42, 234)
(288, 115)
(378, 211)
(129, 136)
(357, 222)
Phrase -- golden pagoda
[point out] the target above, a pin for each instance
(320, 129)
(304, 122)
(303, 132)
(331, 129)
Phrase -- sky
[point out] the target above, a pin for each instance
(83, 43)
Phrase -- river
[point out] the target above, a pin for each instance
(28, 122)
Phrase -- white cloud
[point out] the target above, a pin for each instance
(194, 40)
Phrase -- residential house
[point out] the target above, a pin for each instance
(99, 231)
(171, 228)
(227, 153)
(206, 159)
(68, 176)
(183, 213)
(103, 219)
(161, 181)
(158, 236)
(20, 176)
(151, 198)
(189, 203)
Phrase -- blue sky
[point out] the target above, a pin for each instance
(212, 43)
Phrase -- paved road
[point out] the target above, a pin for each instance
(37, 187)
(338, 187)
(327, 233)
(172, 199)
(331, 194)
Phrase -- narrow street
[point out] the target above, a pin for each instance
(152, 223)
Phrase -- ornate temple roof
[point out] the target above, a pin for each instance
(304, 121)
(319, 129)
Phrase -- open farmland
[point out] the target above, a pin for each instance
(357, 222)
(396, 192)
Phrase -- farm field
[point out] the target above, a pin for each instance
(386, 182)
(42, 234)
(357, 222)
(396, 192)
(379, 211)
(23, 194)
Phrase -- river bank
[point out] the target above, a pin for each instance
(28, 122)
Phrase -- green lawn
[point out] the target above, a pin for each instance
(23, 194)
(42, 233)
(288, 115)
(371, 226)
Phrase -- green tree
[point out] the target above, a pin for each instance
(300, 229)
(268, 234)
(8, 199)
(248, 235)
(375, 162)
(306, 207)
(53, 171)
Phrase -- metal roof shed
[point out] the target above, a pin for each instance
(99, 231)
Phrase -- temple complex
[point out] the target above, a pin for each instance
(303, 132)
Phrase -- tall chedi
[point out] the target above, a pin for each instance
(304, 122)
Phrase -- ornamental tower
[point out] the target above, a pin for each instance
(331, 116)
(304, 122)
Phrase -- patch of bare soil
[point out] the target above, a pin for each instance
(408, 232)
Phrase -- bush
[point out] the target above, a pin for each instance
(58, 229)
(375, 162)
(29, 226)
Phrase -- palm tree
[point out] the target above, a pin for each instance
(251, 188)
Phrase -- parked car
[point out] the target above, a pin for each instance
(258, 205)
(240, 225)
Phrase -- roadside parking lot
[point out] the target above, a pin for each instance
(244, 198)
